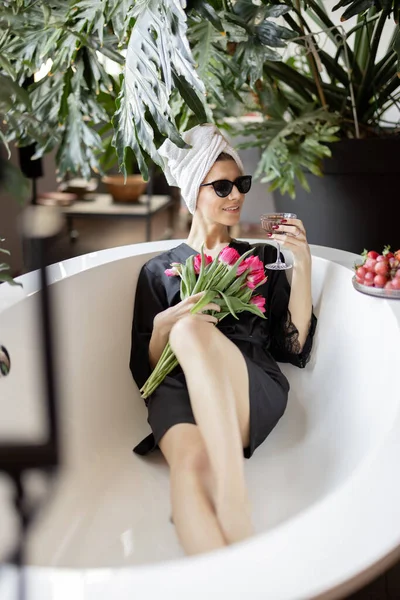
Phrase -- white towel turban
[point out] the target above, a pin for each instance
(186, 168)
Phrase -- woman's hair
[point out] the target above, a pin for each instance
(224, 156)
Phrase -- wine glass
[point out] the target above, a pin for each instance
(267, 222)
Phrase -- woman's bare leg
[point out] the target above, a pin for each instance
(194, 516)
(217, 380)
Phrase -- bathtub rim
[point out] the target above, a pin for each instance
(10, 295)
(370, 469)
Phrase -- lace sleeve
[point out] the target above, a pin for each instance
(285, 345)
(284, 336)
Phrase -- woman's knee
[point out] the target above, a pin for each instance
(193, 459)
(184, 449)
(188, 331)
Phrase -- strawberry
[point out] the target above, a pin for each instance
(386, 252)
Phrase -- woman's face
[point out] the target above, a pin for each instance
(221, 210)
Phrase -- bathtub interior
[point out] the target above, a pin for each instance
(111, 507)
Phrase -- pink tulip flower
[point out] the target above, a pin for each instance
(197, 262)
(258, 301)
(251, 262)
(172, 272)
(229, 256)
(256, 278)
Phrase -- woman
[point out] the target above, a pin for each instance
(228, 393)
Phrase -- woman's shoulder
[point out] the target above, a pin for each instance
(159, 263)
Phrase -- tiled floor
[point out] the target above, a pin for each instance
(97, 235)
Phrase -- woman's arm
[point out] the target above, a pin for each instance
(158, 341)
(291, 312)
(300, 301)
(150, 300)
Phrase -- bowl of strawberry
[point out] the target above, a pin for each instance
(378, 274)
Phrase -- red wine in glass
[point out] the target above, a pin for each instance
(267, 222)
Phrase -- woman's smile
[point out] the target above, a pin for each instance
(233, 209)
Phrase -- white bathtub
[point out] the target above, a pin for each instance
(324, 485)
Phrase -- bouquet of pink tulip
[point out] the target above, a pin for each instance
(229, 281)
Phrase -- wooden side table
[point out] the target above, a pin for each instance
(103, 206)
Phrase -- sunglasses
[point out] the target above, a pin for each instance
(223, 187)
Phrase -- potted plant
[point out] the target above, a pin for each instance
(323, 110)
(114, 75)
(128, 187)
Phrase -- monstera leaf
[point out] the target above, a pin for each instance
(158, 57)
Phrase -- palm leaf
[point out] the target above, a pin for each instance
(363, 92)
(289, 147)
(356, 7)
(320, 16)
(396, 47)
(363, 34)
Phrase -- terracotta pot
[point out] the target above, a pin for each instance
(125, 192)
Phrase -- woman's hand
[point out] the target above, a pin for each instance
(291, 234)
(165, 320)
